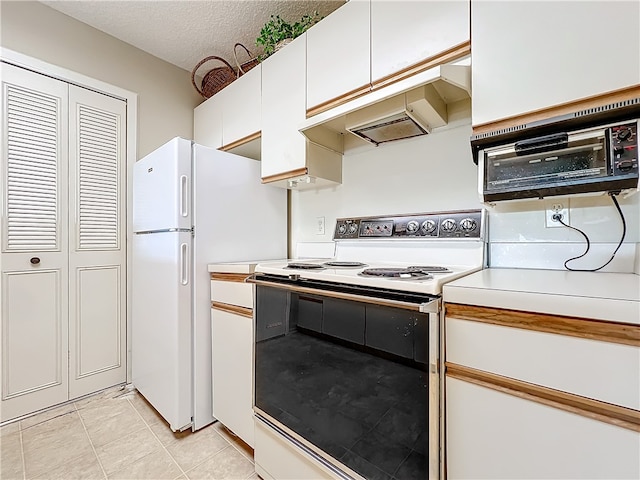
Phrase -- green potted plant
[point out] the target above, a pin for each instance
(277, 32)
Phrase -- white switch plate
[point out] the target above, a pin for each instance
(319, 225)
(553, 207)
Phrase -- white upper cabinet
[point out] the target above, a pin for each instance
(283, 108)
(241, 117)
(207, 122)
(286, 154)
(338, 55)
(231, 118)
(407, 33)
(528, 56)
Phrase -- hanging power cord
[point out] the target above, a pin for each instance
(558, 217)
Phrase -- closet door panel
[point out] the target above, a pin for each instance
(34, 242)
(97, 256)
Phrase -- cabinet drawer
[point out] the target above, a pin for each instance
(493, 435)
(232, 293)
(595, 369)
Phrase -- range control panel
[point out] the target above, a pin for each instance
(459, 224)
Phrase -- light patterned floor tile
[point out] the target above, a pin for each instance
(104, 429)
(85, 467)
(130, 447)
(193, 449)
(101, 397)
(234, 440)
(9, 429)
(128, 436)
(96, 412)
(166, 435)
(225, 465)
(144, 408)
(11, 457)
(53, 443)
(47, 415)
(158, 465)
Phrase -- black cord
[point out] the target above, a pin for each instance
(624, 232)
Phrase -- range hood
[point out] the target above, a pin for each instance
(409, 108)
(397, 118)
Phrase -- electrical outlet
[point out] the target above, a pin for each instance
(319, 225)
(556, 208)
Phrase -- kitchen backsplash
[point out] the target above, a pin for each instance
(436, 172)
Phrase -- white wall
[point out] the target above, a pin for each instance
(166, 98)
(436, 173)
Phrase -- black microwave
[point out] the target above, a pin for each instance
(601, 158)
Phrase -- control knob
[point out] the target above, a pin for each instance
(353, 227)
(342, 229)
(428, 226)
(624, 133)
(448, 225)
(468, 225)
(412, 226)
(625, 165)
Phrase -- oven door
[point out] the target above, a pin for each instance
(350, 375)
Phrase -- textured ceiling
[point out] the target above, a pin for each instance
(184, 32)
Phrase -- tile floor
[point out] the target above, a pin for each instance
(116, 434)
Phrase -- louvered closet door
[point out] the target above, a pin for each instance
(34, 242)
(97, 259)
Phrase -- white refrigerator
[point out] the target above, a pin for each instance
(192, 206)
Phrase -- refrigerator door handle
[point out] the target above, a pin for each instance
(184, 264)
(184, 196)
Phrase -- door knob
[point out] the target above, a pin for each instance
(34, 260)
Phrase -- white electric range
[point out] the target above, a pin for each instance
(414, 253)
(347, 357)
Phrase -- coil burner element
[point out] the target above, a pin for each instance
(396, 273)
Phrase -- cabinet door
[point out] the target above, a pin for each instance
(283, 109)
(34, 303)
(241, 108)
(207, 122)
(232, 341)
(405, 33)
(338, 55)
(531, 55)
(494, 435)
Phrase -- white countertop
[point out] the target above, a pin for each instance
(595, 295)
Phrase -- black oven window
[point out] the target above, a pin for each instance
(350, 378)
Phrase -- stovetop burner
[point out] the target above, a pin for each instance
(339, 264)
(429, 269)
(396, 273)
(305, 266)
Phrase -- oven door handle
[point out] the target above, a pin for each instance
(432, 306)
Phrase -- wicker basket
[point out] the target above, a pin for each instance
(214, 80)
(249, 64)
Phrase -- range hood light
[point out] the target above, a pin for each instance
(394, 127)
(302, 180)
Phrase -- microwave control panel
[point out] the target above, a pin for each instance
(445, 225)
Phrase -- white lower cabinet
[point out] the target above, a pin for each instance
(232, 351)
(493, 435)
(232, 368)
(531, 395)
